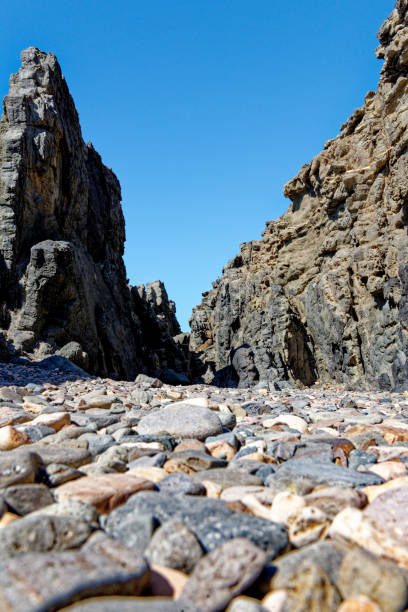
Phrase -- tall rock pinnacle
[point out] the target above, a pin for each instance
(324, 295)
(63, 284)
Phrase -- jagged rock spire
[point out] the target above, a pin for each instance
(62, 232)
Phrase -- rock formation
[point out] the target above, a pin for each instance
(63, 284)
(324, 295)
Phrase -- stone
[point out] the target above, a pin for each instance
(317, 451)
(167, 442)
(154, 474)
(221, 449)
(276, 601)
(387, 512)
(210, 520)
(25, 498)
(224, 573)
(55, 420)
(190, 444)
(174, 545)
(42, 534)
(85, 402)
(388, 469)
(228, 419)
(182, 421)
(18, 467)
(165, 581)
(152, 382)
(227, 477)
(35, 405)
(327, 555)
(7, 518)
(307, 526)
(359, 604)
(212, 489)
(55, 579)
(139, 396)
(230, 494)
(264, 471)
(180, 484)
(320, 472)
(309, 588)
(10, 438)
(380, 528)
(279, 507)
(374, 491)
(73, 508)
(331, 500)
(291, 420)
(192, 461)
(115, 457)
(384, 582)
(67, 455)
(105, 492)
(245, 604)
(131, 604)
(38, 432)
(56, 474)
(134, 531)
(97, 443)
(73, 351)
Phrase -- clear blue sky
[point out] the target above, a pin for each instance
(203, 108)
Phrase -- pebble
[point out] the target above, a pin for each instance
(105, 491)
(166, 582)
(307, 526)
(130, 493)
(27, 498)
(174, 545)
(361, 603)
(180, 484)
(363, 574)
(224, 573)
(42, 534)
(309, 588)
(321, 472)
(52, 580)
(183, 421)
(10, 438)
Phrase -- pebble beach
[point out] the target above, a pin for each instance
(121, 495)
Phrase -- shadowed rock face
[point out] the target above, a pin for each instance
(62, 279)
(324, 294)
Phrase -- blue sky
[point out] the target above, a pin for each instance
(204, 109)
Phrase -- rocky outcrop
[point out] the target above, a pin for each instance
(63, 285)
(324, 295)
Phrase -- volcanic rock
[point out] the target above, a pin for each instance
(324, 295)
(63, 286)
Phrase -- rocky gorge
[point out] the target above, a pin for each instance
(259, 464)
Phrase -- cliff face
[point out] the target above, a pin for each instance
(324, 294)
(63, 284)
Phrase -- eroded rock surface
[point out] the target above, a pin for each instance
(63, 286)
(324, 294)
